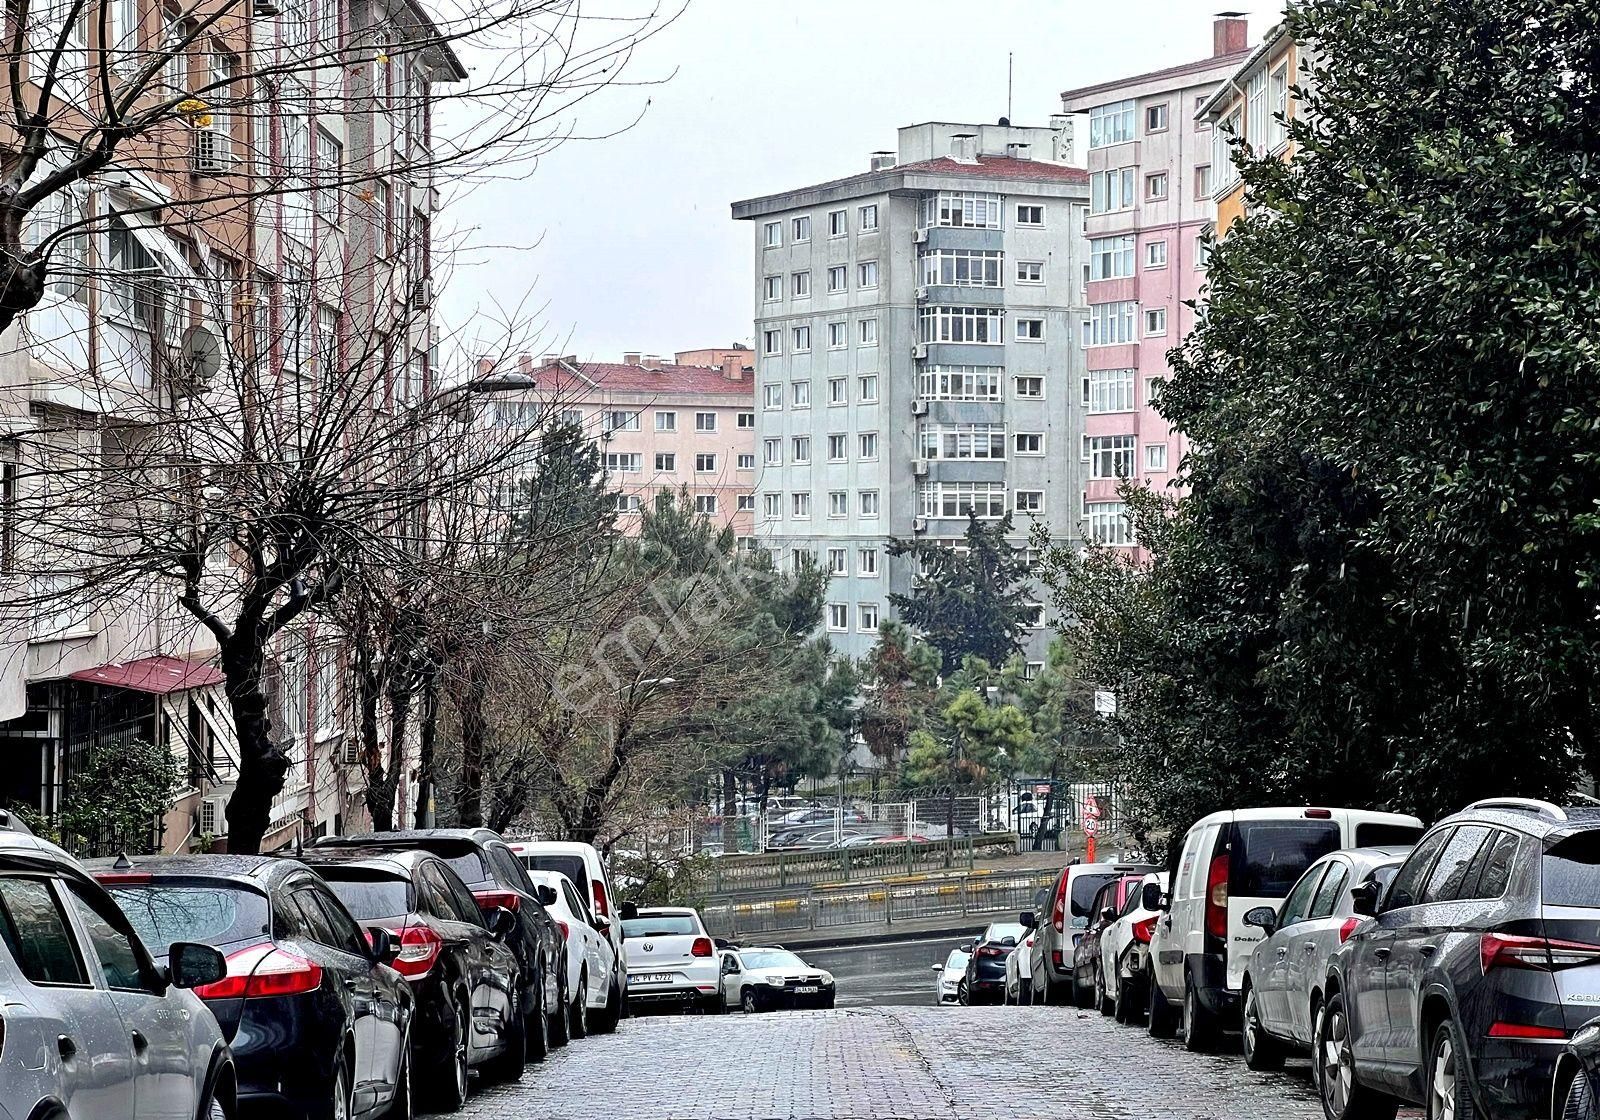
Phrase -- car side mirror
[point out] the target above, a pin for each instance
(1263, 917)
(502, 922)
(1364, 898)
(545, 893)
(629, 911)
(383, 944)
(192, 965)
(1027, 920)
(1107, 913)
(602, 925)
(1151, 897)
(938, 968)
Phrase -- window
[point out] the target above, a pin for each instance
(36, 931)
(838, 339)
(869, 503)
(1202, 249)
(800, 394)
(867, 218)
(1030, 272)
(1029, 501)
(837, 559)
(1029, 215)
(1110, 258)
(838, 616)
(705, 503)
(1030, 330)
(802, 340)
(838, 223)
(572, 416)
(746, 461)
(838, 448)
(1155, 321)
(772, 396)
(1155, 117)
(135, 293)
(1155, 186)
(1222, 153)
(959, 324)
(1028, 443)
(771, 506)
(1111, 190)
(1277, 130)
(1298, 904)
(1155, 254)
(985, 500)
(801, 506)
(838, 276)
(746, 421)
(772, 289)
(747, 502)
(1455, 860)
(1111, 456)
(800, 449)
(1200, 103)
(772, 452)
(1330, 890)
(666, 462)
(800, 229)
(867, 618)
(666, 421)
(1108, 523)
(867, 274)
(705, 421)
(705, 462)
(838, 503)
(962, 268)
(868, 385)
(867, 332)
(1111, 324)
(951, 208)
(1152, 390)
(330, 168)
(1111, 124)
(961, 441)
(800, 284)
(622, 421)
(836, 390)
(771, 342)
(960, 383)
(1255, 120)
(1155, 456)
(1029, 388)
(622, 462)
(867, 562)
(1202, 181)
(869, 445)
(772, 235)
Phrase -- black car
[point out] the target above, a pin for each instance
(317, 1021)
(497, 880)
(466, 981)
(985, 979)
(1576, 1093)
(1478, 962)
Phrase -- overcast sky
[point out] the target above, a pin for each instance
(626, 243)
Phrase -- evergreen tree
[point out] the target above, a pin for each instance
(973, 601)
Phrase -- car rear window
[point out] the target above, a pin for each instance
(215, 914)
(1571, 871)
(660, 925)
(1375, 834)
(367, 896)
(1268, 856)
(1084, 888)
(570, 866)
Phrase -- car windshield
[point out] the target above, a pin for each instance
(213, 914)
(770, 958)
(370, 897)
(1268, 856)
(1571, 870)
(1084, 888)
(1000, 931)
(956, 961)
(660, 925)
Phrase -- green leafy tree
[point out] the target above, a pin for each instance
(114, 800)
(970, 601)
(899, 678)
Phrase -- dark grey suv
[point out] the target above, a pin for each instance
(1477, 964)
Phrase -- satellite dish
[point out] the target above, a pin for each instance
(202, 353)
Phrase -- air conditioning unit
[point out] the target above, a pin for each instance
(919, 467)
(210, 155)
(265, 9)
(920, 350)
(919, 408)
(421, 294)
(213, 816)
(922, 292)
(919, 524)
(349, 751)
(920, 237)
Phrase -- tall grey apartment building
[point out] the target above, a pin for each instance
(917, 349)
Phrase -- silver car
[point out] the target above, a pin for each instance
(1283, 980)
(93, 1028)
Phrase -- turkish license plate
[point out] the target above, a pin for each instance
(805, 989)
(652, 978)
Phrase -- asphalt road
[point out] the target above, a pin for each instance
(897, 974)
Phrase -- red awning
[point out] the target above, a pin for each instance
(159, 675)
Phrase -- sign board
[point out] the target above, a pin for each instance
(1105, 703)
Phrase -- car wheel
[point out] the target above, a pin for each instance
(446, 1087)
(560, 1020)
(1024, 993)
(578, 1017)
(1342, 1096)
(1122, 1005)
(507, 1065)
(1082, 997)
(1261, 1050)
(1102, 998)
(1578, 1103)
(338, 1104)
(536, 1028)
(400, 1106)
(747, 1001)
(606, 1020)
(1449, 1091)
(1199, 1029)
(1160, 1019)
(961, 994)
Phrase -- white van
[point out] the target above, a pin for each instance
(582, 864)
(1230, 863)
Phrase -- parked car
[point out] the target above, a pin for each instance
(1089, 987)
(1228, 864)
(1019, 983)
(1125, 949)
(85, 1003)
(985, 979)
(1058, 932)
(1575, 1094)
(466, 981)
(497, 880)
(591, 961)
(763, 979)
(1480, 962)
(1284, 978)
(671, 959)
(948, 976)
(582, 864)
(318, 1022)
(811, 838)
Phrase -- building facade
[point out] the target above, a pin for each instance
(915, 330)
(1255, 103)
(1152, 172)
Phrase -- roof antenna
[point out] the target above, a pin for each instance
(1010, 58)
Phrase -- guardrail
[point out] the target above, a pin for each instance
(733, 873)
(880, 904)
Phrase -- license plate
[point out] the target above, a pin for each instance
(806, 989)
(652, 978)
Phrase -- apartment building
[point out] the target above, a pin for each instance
(1254, 103)
(917, 358)
(688, 423)
(1152, 172)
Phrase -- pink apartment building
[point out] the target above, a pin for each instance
(1150, 203)
(664, 424)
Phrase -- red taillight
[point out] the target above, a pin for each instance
(602, 905)
(1346, 928)
(1059, 914)
(990, 951)
(566, 934)
(1541, 953)
(1056, 958)
(122, 878)
(701, 947)
(419, 952)
(1145, 930)
(491, 900)
(1319, 814)
(1217, 897)
(264, 970)
(1522, 1030)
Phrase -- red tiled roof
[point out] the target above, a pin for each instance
(616, 377)
(159, 675)
(984, 167)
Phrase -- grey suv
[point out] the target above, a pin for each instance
(92, 1026)
(1478, 962)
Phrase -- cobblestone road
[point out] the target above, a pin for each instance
(893, 1063)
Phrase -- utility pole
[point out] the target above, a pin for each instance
(950, 802)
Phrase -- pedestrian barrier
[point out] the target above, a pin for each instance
(742, 873)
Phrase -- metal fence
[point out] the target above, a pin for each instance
(735, 873)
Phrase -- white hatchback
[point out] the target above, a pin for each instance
(591, 961)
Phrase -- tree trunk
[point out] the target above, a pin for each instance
(474, 735)
(262, 763)
(426, 730)
(369, 687)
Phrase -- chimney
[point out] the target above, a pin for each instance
(882, 161)
(524, 363)
(961, 145)
(733, 367)
(631, 358)
(1230, 34)
(651, 361)
(485, 367)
